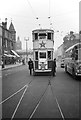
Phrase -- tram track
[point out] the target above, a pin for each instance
(41, 98)
(38, 101)
(59, 108)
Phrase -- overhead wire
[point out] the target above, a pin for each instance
(36, 17)
(49, 17)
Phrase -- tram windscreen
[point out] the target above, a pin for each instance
(42, 35)
(42, 54)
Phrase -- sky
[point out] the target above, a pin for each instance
(64, 17)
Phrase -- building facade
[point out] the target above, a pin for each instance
(8, 41)
(0, 43)
(60, 52)
(18, 44)
(69, 40)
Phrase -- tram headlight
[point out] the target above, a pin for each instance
(76, 67)
(77, 71)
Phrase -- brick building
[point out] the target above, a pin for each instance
(70, 40)
(8, 41)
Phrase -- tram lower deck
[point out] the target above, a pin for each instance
(43, 61)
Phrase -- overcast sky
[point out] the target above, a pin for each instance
(64, 16)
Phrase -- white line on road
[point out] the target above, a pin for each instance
(19, 102)
(13, 95)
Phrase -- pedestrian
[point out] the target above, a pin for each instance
(54, 67)
(30, 63)
(23, 61)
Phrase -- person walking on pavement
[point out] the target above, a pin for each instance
(30, 63)
(54, 67)
(23, 61)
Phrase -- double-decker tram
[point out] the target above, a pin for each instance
(43, 43)
(73, 60)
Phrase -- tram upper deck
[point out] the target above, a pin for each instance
(43, 38)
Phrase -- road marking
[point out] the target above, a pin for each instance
(19, 102)
(13, 95)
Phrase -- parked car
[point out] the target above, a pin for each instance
(62, 63)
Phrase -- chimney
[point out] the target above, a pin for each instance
(71, 32)
(6, 23)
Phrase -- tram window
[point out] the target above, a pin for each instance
(76, 55)
(49, 36)
(42, 54)
(79, 55)
(36, 55)
(49, 54)
(36, 36)
(42, 35)
(52, 36)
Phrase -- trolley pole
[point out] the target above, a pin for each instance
(26, 39)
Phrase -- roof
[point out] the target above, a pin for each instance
(72, 47)
(11, 28)
(76, 36)
(38, 30)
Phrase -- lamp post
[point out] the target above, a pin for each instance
(26, 39)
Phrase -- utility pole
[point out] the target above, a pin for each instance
(26, 39)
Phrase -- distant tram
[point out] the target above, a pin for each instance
(43, 43)
(73, 60)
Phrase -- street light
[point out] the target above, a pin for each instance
(26, 39)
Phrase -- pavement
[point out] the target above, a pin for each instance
(18, 64)
(11, 66)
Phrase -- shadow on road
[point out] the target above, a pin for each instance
(43, 74)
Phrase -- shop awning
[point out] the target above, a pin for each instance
(15, 53)
(9, 55)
